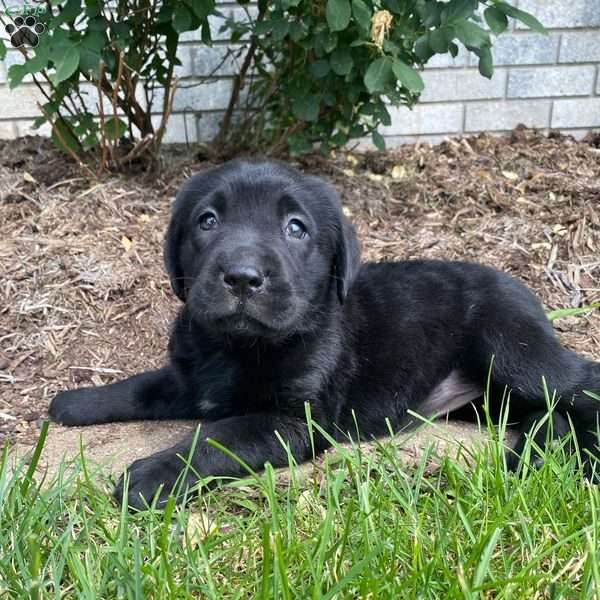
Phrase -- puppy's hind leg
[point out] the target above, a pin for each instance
(520, 345)
(150, 395)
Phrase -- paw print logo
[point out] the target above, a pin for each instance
(25, 31)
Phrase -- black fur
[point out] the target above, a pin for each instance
(316, 326)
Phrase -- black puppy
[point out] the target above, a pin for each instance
(278, 312)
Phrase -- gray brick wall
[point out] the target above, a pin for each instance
(548, 82)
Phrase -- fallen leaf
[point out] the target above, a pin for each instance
(307, 503)
(199, 527)
(559, 229)
(127, 243)
(510, 175)
(29, 177)
(375, 177)
(399, 172)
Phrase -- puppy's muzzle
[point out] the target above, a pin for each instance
(243, 281)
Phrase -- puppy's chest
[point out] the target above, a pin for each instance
(223, 387)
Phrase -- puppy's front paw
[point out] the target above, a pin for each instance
(72, 408)
(156, 476)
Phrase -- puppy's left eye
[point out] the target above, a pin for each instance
(296, 229)
(207, 221)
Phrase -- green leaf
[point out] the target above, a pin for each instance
(182, 18)
(378, 74)
(2, 50)
(338, 14)
(407, 76)
(430, 12)
(561, 313)
(341, 61)
(496, 19)
(281, 28)
(66, 65)
(69, 141)
(306, 107)
(298, 144)
(38, 122)
(472, 35)
(438, 40)
(319, 69)
(16, 74)
(486, 66)
(522, 16)
(203, 8)
(378, 140)
(362, 14)
(90, 52)
(68, 13)
(120, 32)
(206, 35)
(114, 128)
(423, 49)
(456, 10)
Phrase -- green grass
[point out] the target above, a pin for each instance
(361, 527)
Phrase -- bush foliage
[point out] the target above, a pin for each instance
(327, 71)
(323, 71)
(105, 67)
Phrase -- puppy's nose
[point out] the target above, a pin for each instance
(243, 280)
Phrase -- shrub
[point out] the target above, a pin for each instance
(320, 71)
(324, 71)
(117, 57)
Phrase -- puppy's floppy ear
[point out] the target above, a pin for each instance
(172, 253)
(347, 258)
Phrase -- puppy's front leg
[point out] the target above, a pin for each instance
(151, 395)
(250, 437)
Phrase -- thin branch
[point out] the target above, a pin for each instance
(71, 152)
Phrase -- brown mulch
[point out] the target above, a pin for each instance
(85, 299)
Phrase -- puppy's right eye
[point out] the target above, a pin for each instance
(207, 221)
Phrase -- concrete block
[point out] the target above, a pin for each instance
(583, 46)
(543, 82)
(205, 96)
(452, 85)
(505, 115)
(216, 23)
(395, 141)
(217, 61)
(558, 13)
(424, 119)
(186, 68)
(576, 112)
(20, 103)
(26, 128)
(8, 130)
(525, 49)
(180, 128)
(208, 125)
(578, 134)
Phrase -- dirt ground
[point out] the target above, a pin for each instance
(84, 298)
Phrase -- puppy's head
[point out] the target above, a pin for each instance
(259, 249)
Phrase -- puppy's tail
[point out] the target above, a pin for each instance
(583, 408)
